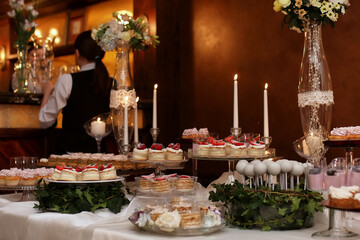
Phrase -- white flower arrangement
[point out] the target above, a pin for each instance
(24, 20)
(124, 28)
(298, 12)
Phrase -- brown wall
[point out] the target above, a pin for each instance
(205, 42)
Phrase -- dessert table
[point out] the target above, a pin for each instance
(19, 220)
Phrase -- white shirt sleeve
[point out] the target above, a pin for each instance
(58, 99)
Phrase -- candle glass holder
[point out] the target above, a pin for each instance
(235, 132)
(267, 141)
(154, 133)
(98, 127)
(125, 148)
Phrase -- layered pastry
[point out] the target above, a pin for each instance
(156, 212)
(91, 173)
(28, 177)
(190, 220)
(157, 152)
(182, 205)
(190, 133)
(107, 172)
(79, 175)
(203, 149)
(143, 182)
(12, 178)
(344, 197)
(185, 183)
(160, 184)
(140, 153)
(174, 152)
(256, 148)
(217, 148)
(237, 149)
(345, 133)
(68, 174)
(228, 140)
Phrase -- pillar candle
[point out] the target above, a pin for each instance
(126, 132)
(155, 106)
(136, 131)
(236, 110)
(97, 127)
(266, 112)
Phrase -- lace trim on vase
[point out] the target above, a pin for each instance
(315, 98)
(117, 98)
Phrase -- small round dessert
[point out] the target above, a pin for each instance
(156, 152)
(217, 148)
(57, 172)
(79, 174)
(2, 177)
(28, 177)
(202, 149)
(160, 185)
(190, 133)
(91, 173)
(228, 141)
(256, 148)
(174, 152)
(237, 149)
(12, 178)
(140, 153)
(108, 172)
(68, 174)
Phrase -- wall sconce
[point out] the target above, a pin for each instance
(2, 58)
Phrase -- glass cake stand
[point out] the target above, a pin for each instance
(27, 192)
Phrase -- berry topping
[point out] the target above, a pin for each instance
(68, 168)
(170, 175)
(229, 138)
(185, 176)
(156, 146)
(101, 168)
(92, 166)
(79, 169)
(218, 142)
(176, 146)
(148, 176)
(171, 145)
(236, 143)
(257, 138)
(160, 178)
(109, 165)
(141, 146)
(203, 143)
(60, 168)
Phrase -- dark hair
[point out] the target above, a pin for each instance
(88, 48)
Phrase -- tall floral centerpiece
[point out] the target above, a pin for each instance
(315, 94)
(24, 16)
(121, 34)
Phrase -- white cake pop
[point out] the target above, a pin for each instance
(286, 166)
(297, 169)
(240, 166)
(249, 170)
(243, 161)
(274, 168)
(267, 162)
(260, 168)
(254, 162)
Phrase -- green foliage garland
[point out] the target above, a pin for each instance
(72, 198)
(266, 209)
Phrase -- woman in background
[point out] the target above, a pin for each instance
(80, 96)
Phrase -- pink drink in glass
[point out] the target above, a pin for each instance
(335, 178)
(315, 178)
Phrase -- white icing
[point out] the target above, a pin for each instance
(168, 221)
(173, 150)
(340, 193)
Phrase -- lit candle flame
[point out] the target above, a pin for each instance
(235, 77)
(98, 119)
(137, 99)
(266, 86)
(155, 86)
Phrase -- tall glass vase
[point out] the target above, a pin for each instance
(22, 69)
(315, 95)
(122, 99)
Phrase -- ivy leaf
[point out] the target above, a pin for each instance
(295, 203)
(282, 211)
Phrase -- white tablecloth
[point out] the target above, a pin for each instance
(19, 220)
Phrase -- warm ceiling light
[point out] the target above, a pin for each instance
(57, 40)
(54, 32)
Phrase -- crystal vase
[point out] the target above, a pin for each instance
(315, 95)
(22, 69)
(122, 99)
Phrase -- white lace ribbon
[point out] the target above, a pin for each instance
(315, 98)
(117, 98)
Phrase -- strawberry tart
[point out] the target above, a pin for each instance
(228, 143)
(157, 152)
(237, 149)
(107, 172)
(68, 174)
(185, 183)
(174, 152)
(217, 148)
(202, 149)
(143, 182)
(79, 174)
(256, 147)
(91, 173)
(160, 184)
(140, 153)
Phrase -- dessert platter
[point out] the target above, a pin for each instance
(165, 185)
(344, 137)
(179, 217)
